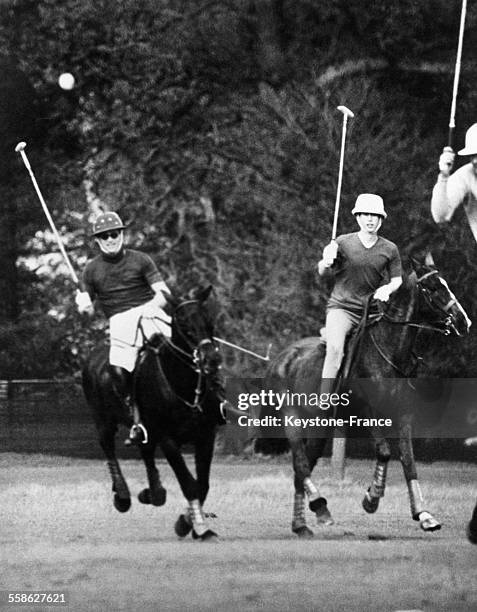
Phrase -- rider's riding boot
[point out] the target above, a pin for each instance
(124, 382)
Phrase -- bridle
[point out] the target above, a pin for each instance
(428, 295)
(192, 357)
(443, 326)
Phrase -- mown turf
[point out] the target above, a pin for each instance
(60, 531)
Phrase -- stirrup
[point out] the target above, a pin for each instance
(137, 435)
(223, 410)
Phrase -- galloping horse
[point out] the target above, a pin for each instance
(175, 387)
(424, 300)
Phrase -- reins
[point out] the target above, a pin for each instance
(419, 324)
(191, 360)
(384, 316)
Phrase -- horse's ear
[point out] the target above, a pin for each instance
(419, 266)
(172, 301)
(429, 260)
(203, 294)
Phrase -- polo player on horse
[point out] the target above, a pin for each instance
(362, 264)
(131, 292)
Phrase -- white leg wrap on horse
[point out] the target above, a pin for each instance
(198, 522)
(310, 489)
(188, 515)
(415, 497)
(378, 485)
(299, 516)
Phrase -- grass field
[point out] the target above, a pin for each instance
(60, 532)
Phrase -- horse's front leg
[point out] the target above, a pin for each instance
(204, 450)
(418, 507)
(122, 496)
(189, 488)
(376, 490)
(155, 494)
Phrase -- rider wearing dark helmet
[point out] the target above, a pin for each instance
(130, 290)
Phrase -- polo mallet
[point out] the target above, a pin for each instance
(20, 148)
(346, 113)
(450, 141)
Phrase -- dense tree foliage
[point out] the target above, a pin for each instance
(211, 127)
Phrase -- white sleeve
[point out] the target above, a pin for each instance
(447, 195)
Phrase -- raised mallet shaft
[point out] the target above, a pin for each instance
(346, 113)
(20, 148)
(455, 87)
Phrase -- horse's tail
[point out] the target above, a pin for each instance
(302, 359)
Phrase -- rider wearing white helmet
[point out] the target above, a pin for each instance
(130, 290)
(451, 190)
(363, 264)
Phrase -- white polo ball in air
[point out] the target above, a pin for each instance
(66, 81)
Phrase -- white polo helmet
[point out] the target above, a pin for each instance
(369, 203)
(470, 141)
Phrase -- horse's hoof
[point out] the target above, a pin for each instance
(207, 536)
(303, 532)
(317, 504)
(472, 533)
(156, 497)
(182, 527)
(122, 504)
(159, 496)
(428, 522)
(370, 504)
(320, 508)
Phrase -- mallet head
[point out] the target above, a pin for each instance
(345, 111)
(20, 147)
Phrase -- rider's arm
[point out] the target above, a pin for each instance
(323, 268)
(160, 286)
(394, 284)
(383, 292)
(447, 195)
(85, 295)
(330, 253)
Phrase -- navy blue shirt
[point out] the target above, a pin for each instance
(122, 281)
(359, 270)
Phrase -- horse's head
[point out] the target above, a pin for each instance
(193, 329)
(439, 301)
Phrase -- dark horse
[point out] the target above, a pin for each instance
(176, 390)
(424, 300)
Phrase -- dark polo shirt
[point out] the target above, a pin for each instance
(359, 271)
(120, 282)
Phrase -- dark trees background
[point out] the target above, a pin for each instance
(211, 127)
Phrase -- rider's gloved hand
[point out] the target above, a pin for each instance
(446, 161)
(330, 253)
(382, 294)
(83, 302)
